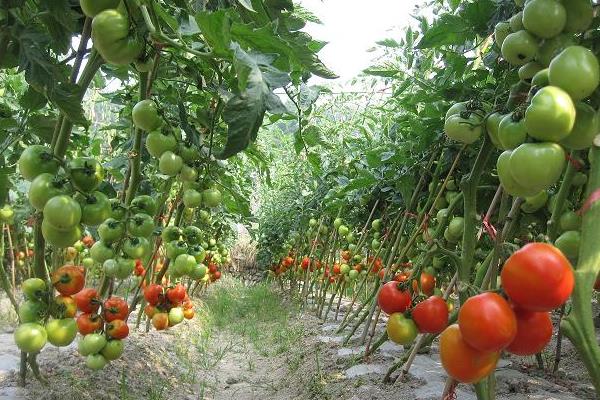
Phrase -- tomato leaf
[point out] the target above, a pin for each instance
(66, 97)
(215, 28)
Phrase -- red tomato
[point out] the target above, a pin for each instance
(403, 277)
(377, 264)
(461, 361)
(346, 255)
(217, 275)
(68, 279)
(331, 279)
(431, 315)
(358, 267)
(88, 323)
(117, 329)
(212, 268)
(534, 331)
(427, 281)
(487, 322)
(88, 241)
(381, 273)
(305, 263)
(538, 277)
(160, 321)
(115, 308)
(336, 269)
(176, 294)
(153, 294)
(67, 306)
(392, 299)
(87, 300)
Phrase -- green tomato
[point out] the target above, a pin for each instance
(193, 234)
(352, 274)
(552, 47)
(544, 18)
(312, 222)
(551, 115)
(101, 251)
(95, 208)
(580, 178)
(110, 267)
(111, 230)
(175, 248)
(456, 109)
(528, 71)
(136, 247)
(510, 185)
(61, 332)
(145, 115)
(35, 160)
(189, 153)
(534, 203)
(43, 188)
(95, 362)
(157, 143)
(192, 198)
(464, 128)
(59, 237)
(92, 343)
(501, 31)
(376, 224)
(344, 269)
(519, 48)
(184, 264)
(87, 263)
(34, 288)
(118, 210)
(580, 14)
(113, 349)
(512, 132)
(7, 214)
(125, 267)
(143, 204)
(541, 78)
(141, 225)
(188, 174)
(62, 212)
(587, 126)
(569, 221)
(211, 197)
(492, 125)
(32, 311)
(337, 222)
(343, 230)
(111, 37)
(537, 166)
(170, 164)
(171, 233)
(576, 71)
(516, 22)
(568, 243)
(456, 227)
(30, 337)
(92, 7)
(198, 272)
(175, 316)
(86, 173)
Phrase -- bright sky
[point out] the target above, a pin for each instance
(352, 27)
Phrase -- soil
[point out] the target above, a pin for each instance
(192, 361)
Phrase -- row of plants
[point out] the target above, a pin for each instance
(464, 205)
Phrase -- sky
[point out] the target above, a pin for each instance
(352, 27)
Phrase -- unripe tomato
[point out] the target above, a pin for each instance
(111, 37)
(160, 321)
(580, 14)
(92, 7)
(544, 18)
(431, 315)
(568, 244)
(492, 126)
(487, 322)
(44, 187)
(519, 48)
(170, 163)
(534, 331)
(30, 337)
(86, 173)
(400, 329)
(551, 115)
(461, 361)
(62, 212)
(576, 71)
(537, 166)
(587, 126)
(66, 306)
(538, 277)
(501, 31)
(157, 143)
(35, 160)
(145, 115)
(391, 299)
(465, 127)
(509, 183)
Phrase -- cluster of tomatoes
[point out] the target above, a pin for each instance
(536, 279)
(167, 305)
(44, 318)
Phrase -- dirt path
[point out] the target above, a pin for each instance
(248, 343)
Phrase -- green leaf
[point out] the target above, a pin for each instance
(42, 126)
(216, 28)
(247, 4)
(32, 100)
(67, 98)
(307, 96)
(447, 30)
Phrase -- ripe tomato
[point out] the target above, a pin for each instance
(597, 284)
(188, 313)
(431, 315)
(487, 323)
(305, 263)
(427, 281)
(579, 62)
(88, 241)
(88, 323)
(153, 294)
(160, 321)
(538, 277)
(400, 329)
(534, 331)
(150, 310)
(87, 300)
(176, 294)
(391, 299)
(461, 361)
(212, 267)
(115, 308)
(66, 306)
(337, 269)
(68, 279)
(117, 329)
